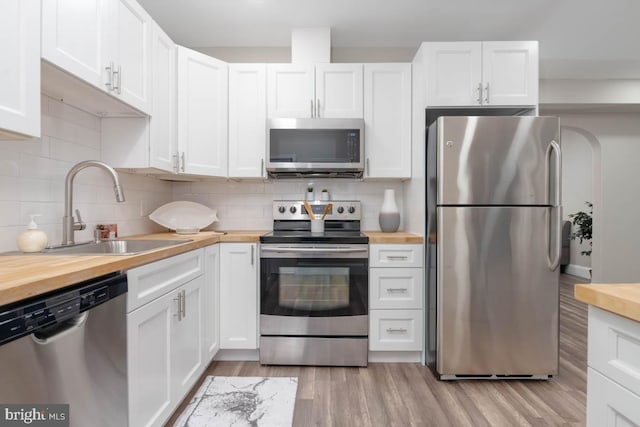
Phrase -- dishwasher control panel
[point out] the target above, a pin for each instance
(24, 317)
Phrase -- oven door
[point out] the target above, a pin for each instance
(314, 290)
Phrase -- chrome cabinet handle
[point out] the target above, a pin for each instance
(318, 107)
(555, 206)
(397, 257)
(368, 168)
(182, 161)
(394, 290)
(396, 330)
(184, 303)
(479, 98)
(119, 87)
(252, 254)
(311, 108)
(486, 94)
(179, 301)
(175, 163)
(109, 83)
(262, 167)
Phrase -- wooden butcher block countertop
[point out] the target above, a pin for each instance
(25, 276)
(397, 237)
(619, 298)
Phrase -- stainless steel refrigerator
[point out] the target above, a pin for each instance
(493, 218)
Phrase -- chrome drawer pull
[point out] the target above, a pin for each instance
(397, 257)
(394, 290)
(179, 301)
(397, 331)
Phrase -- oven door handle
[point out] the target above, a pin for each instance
(315, 250)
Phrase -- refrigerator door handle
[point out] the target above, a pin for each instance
(556, 207)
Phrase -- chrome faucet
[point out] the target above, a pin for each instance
(69, 225)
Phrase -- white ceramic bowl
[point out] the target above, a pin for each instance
(184, 217)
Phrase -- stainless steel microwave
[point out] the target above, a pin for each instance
(332, 148)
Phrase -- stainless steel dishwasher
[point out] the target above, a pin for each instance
(69, 346)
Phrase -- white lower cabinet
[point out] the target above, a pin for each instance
(613, 380)
(396, 289)
(170, 341)
(239, 291)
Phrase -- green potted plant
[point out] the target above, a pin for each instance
(583, 228)
(309, 194)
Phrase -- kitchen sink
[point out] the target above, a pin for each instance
(112, 247)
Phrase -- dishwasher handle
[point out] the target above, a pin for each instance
(60, 330)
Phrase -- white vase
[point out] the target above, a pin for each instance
(309, 195)
(389, 217)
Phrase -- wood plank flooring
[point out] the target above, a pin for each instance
(407, 394)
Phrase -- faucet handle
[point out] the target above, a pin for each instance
(79, 225)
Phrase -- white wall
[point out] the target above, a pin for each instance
(616, 242)
(248, 205)
(32, 177)
(577, 180)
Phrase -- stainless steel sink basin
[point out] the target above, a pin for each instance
(112, 247)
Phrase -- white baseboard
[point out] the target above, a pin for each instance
(395, 356)
(578, 270)
(238, 355)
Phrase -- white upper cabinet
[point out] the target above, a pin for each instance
(106, 43)
(202, 114)
(131, 54)
(454, 73)
(308, 91)
(510, 73)
(74, 37)
(339, 91)
(290, 90)
(163, 143)
(387, 119)
(247, 120)
(20, 68)
(482, 73)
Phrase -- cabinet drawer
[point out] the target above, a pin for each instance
(395, 330)
(609, 404)
(392, 255)
(614, 347)
(150, 281)
(395, 288)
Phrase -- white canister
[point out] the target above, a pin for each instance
(32, 239)
(317, 225)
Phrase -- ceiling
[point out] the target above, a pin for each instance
(578, 38)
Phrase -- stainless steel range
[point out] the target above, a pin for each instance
(314, 296)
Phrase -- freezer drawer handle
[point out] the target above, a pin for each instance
(396, 331)
(556, 208)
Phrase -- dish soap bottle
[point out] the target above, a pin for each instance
(32, 239)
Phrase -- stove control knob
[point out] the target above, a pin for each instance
(340, 209)
(282, 209)
(292, 209)
(351, 209)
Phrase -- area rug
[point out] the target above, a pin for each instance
(241, 401)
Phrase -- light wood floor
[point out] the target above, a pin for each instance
(401, 394)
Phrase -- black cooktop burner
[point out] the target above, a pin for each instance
(337, 237)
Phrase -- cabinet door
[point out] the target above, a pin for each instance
(187, 339)
(339, 91)
(290, 91)
(239, 291)
(131, 43)
(163, 138)
(510, 73)
(20, 67)
(454, 73)
(247, 120)
(202, 113)
(387, 120)
(74, 37)
(211, 304)
(149, 361)
(609, 404)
